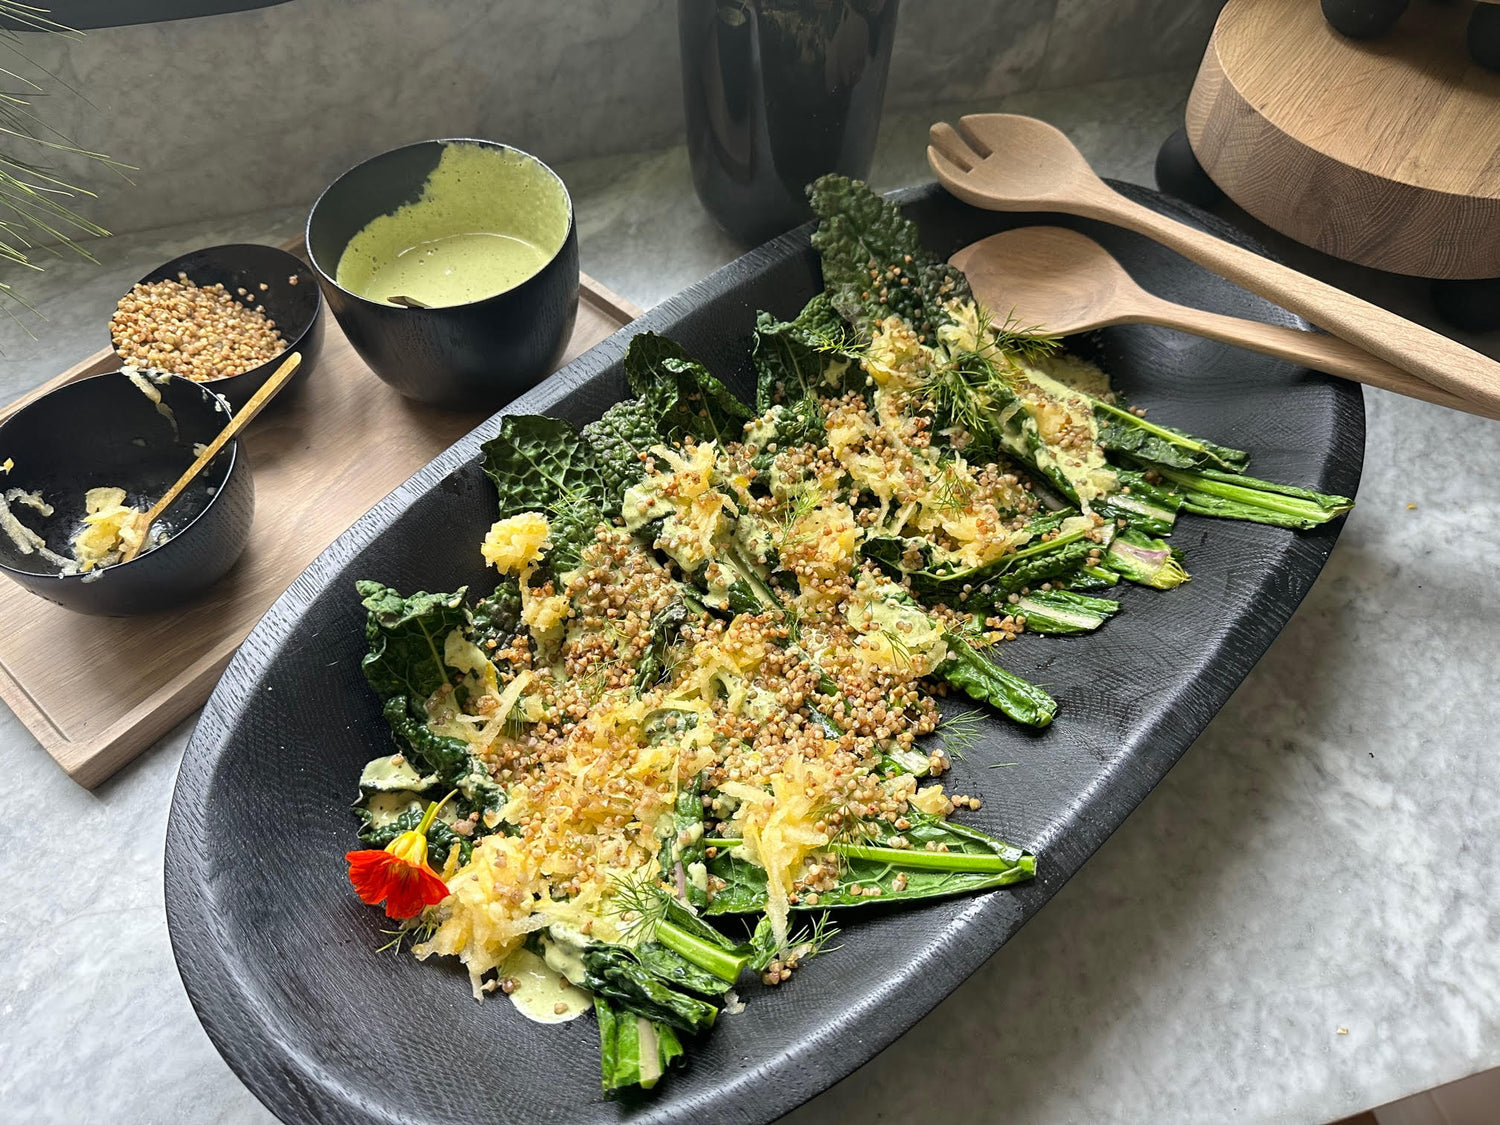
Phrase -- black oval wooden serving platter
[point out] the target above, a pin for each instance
(280, 959)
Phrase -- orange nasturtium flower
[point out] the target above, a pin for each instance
(398, 873)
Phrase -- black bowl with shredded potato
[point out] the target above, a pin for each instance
(136, 433)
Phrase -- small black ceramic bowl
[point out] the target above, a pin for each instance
(479, 354)
(296, 309)
(105, 431)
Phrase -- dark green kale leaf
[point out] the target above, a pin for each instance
(1144, 506)
(972, 861)
(1123, 432)
(544, 465)
(625, 1048)
(665, 627)
(627, 430)
(988, 585)
(860, 234)
(702, 406)
(431, 752)
(984, 681)
(1063, 613)
(497, 618)
(677, 971)
(539, 463)
(572, 525)
(613, 972)
(685, 846)
(406, 637)
(802, 359)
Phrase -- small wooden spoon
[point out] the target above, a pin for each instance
(1065, 282)
(242, 418)
(1004, 162)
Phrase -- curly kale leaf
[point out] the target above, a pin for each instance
(447, 757)
(702, 406)
(802, 359)
(544, 465)
(406, 637)
(537, 463)
(497, 618)
(860, 234)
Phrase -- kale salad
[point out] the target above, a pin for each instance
(697, 719)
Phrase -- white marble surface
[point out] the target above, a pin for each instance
(303, 91)
(1298, 923)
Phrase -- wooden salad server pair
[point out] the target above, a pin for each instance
(1065, 282)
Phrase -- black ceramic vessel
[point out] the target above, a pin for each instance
(104, 431)
(483, 353)
(279, 955)
(296, 309)
(776, 93)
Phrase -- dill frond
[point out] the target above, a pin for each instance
(417, 930)
(960, 732)
(640, 904)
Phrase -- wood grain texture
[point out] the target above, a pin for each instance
(1068, 283)
(1385, 152)
(977, 163)
(97, 691)
(278, 957)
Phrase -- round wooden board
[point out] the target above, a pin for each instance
(1385, 153)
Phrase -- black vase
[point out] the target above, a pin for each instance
(778, 92)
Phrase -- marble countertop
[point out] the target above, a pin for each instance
(1300, 922)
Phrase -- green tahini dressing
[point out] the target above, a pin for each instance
(541, 993)
(487, 220)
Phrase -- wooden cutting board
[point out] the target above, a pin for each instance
(96, 691)
(1383, 152)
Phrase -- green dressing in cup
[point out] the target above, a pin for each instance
(487, 220)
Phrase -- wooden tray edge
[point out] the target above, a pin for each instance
(93, 760)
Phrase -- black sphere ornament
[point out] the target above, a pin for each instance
(1363, 19)
(1179, 173)
(1484, 36)
(1473, 306)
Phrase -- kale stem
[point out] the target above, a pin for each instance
(721, 963)
(935, 861)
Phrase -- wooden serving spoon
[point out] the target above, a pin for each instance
(1003, 162)
(1065, 282)
(242, 418)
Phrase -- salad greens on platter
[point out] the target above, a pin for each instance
(696, 716)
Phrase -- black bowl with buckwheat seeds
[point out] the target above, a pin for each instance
(223, 316)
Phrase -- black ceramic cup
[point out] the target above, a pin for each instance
(105, 431)
(296, 309)
(480, 354)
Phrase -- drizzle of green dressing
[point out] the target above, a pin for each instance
(487, 220)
